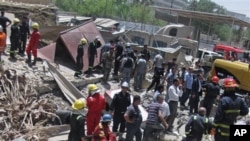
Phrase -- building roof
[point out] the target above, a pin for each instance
(205, 16)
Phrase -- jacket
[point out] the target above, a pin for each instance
(196, 87)
(34, 39)
(120, 103)
(230, 106)
(2, 41)
(96, 103)
(212, 90)
(77, 125)
(198, 125)
(80, 50)
(103, 133)
(15, 32)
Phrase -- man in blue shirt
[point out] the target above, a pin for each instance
(187, 87)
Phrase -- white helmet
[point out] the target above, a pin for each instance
(1, 28)
(125, 84)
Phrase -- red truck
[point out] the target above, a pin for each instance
(229, 52)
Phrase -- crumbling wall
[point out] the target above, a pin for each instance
(44, 15)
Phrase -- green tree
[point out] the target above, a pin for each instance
(118, 9)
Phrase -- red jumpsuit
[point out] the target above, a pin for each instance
(96, 103)
(33, 43)
(2, 41)
(103, 133)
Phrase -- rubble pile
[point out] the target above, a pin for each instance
(23, 112)
(44, 15)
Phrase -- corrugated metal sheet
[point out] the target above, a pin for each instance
(71, 38)
(105, 22)
(48, 52)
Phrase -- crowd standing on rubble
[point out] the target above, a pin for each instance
(181, 86)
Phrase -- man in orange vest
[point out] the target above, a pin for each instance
(2, 42)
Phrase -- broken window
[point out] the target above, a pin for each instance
(173, 32)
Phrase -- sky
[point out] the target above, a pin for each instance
(239, 6)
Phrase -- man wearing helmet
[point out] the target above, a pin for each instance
(79, 57)
(96, 103)
(102, 131)
(2, 42)
(212, 91)
(92, 52)
(33, 44)
(119, 106)
(14, 37)
(77, 121)
(230, 106)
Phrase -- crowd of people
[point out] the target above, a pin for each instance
(182, 85)
(19, 35)
(184, 88)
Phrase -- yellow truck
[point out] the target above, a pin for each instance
(234, 69)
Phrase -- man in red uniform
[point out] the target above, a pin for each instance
(33, 44)
(2, 42)
(95, 103)
(102, 131)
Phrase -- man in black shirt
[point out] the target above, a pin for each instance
(119, 106)
(14, 38)
(3, 21)
(92, 52)
(118, 58)
(24, 33)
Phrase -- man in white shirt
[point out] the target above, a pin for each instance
(158, 60)
(174, 92)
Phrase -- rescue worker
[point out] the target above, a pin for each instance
(92, 52)
(96, 103)
(79, 57)
(119, 106)
(4, 22)
(33, 44)
(197, 126)
(102, 131)
(212, 92)
(107, 60)
(14, 37)
(25, 33)
(77, 121)
(230, 106)
(140, 72)
(2, 42)
(118, 57)
(145, 52)
(133, 119)
(127, 67)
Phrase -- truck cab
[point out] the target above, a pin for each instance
(229, 52)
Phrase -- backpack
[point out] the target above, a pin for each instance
(128, 63)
